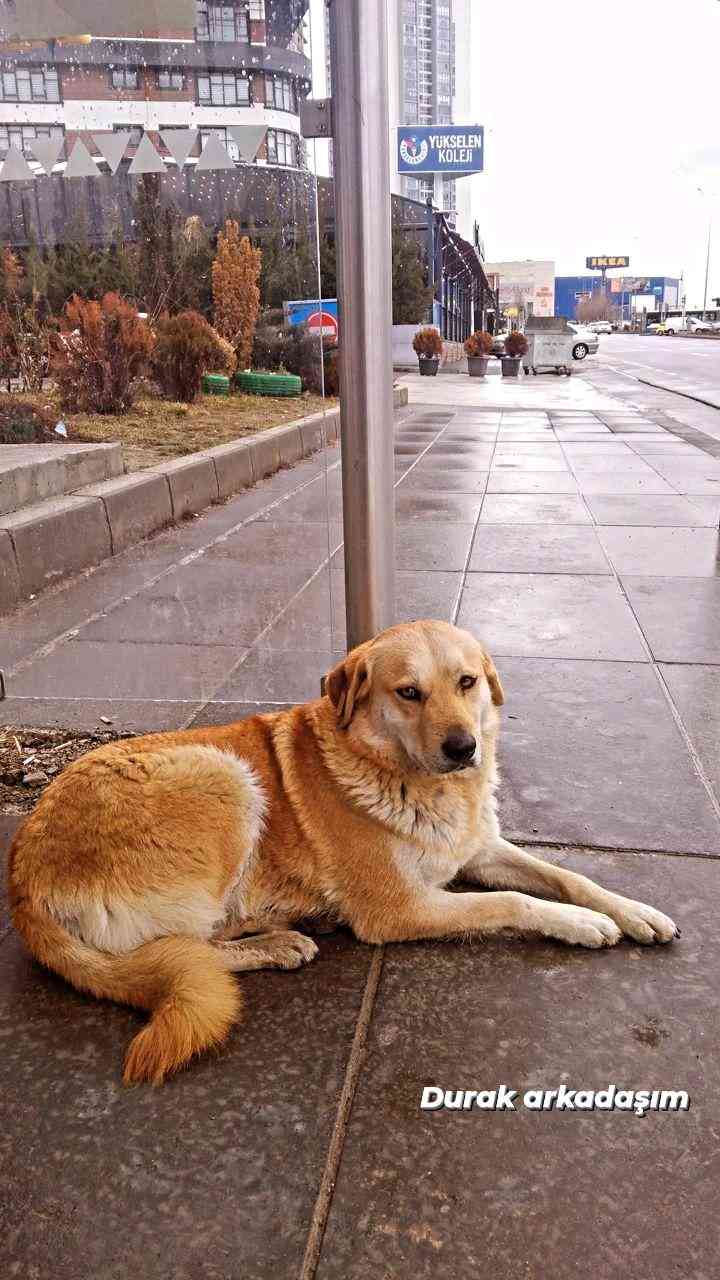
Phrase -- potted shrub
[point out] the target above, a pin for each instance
(428, 345)
(477, 349)
(516, 344)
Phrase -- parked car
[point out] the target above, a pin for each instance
(687, 324)
(601, 326)
(587, 341)
(656, 327)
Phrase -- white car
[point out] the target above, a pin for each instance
(674, 324)
(600, 326)
(586, 343)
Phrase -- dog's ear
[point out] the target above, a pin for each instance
(493, 679)
(348, 684)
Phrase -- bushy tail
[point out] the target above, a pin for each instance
(183, 980)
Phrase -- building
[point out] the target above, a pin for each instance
(244, 62)
(630, 294)
(429, 79)
(526, 288)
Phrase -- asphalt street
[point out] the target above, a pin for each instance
(685, 359)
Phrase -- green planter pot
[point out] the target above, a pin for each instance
(510, 366)
(268, 384)
(429, 368)
(216, 384)
(477, 366)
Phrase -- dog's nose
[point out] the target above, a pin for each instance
(459, 747)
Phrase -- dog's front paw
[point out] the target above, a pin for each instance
(644, 924)
(292, 950)
(578, 926)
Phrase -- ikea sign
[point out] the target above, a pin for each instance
(436, 148)
(605, 263)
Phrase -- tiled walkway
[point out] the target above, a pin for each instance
(580, 542)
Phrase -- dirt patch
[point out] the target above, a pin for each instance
(31, 758)
(157, 429)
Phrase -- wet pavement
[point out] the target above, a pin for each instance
(576, 533)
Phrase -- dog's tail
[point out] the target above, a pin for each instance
(193, 998)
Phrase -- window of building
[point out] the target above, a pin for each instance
(282, 148)
(280, 93)
(124, 77)
(222, 22)
(29, 84)
(22, 136)
(223, 89)
(225, 137)
(168, 79)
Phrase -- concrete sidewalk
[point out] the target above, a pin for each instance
(578, 538)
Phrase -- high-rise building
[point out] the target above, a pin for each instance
(245, 62)
(425, 56)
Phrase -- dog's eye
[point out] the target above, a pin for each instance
(468, 682)
(409, 693)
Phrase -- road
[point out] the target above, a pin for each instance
(627, 363)
(684, 360)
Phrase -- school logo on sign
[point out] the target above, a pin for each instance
(440, 149)
(413, 150)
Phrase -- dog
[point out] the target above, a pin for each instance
(153, 869)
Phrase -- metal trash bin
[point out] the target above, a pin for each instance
(549, 350)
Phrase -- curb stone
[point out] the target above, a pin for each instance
(55, 539)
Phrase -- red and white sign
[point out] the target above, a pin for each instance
(322, 324)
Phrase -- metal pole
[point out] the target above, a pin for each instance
(431, 254)
(362, 220)
(707, 268)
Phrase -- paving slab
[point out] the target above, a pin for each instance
(528, 1195)
(550, 616)
(538, 548)
(651, 510)
(630, 480)
(309, 625)
(278, 676)
(422, 477)
(534, 509)
(447, 548)
(591, 752)
(215, 1174)
(212, 601)
(695, 690)
(136, 671)
(277, 541)
(681, 552)
(454, 508)
(505, 480)
(680, 617)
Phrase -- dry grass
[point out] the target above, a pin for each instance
(155, 429)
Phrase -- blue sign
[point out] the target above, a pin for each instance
(321, 317)
(449, 148)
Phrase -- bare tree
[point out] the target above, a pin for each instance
(596, 306)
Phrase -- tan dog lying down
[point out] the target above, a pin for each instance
(153, 869)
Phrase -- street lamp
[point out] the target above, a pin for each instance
(707, 256)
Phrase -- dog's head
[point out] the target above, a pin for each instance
(421, 694)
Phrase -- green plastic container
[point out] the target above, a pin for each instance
(269, 384)
(216, 384)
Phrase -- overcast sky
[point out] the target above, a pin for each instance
(603, 119)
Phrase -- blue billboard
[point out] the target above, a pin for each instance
(450, 148)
